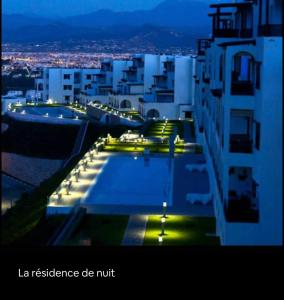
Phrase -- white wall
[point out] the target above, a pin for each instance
(152, 67)
(183, 80)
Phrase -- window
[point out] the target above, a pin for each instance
(67, 87)
(89, 76)
(242, 74)
(257, 135)
(67, 98)
(257, 75)
(77, 91)
(67, 76)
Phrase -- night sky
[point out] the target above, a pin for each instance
(75, 7)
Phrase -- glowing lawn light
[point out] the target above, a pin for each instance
(163, 221)
(160, 239)
(165, 205)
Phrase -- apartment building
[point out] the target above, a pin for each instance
(171, 94)
(238, 112)
(64, 85)
(137, 79)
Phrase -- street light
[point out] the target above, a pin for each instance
(163, 221)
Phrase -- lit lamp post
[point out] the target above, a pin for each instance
(165, 204)
(163, 221)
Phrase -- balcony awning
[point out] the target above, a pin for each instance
(100, 75)
(164, 76)
(238, 4)
(165, 92)
(237, 43)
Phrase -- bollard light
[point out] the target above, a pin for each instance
(163, 221)
(165, 204)
(160, 239)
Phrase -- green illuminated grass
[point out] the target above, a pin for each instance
(130, 147)
(181, 231)
(155, 129)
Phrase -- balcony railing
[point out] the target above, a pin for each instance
(240, 143)
(239, 209)
(270, 30)
(242, 88)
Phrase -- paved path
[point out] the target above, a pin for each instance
(135, 231)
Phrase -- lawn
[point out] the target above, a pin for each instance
(99, 230)
(130, 147)
(155, 129)
(181, 231)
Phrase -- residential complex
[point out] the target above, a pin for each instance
(64, 85)
(228, 95)
(238, 110)
(156, 85)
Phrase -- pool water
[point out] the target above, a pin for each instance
(52, 111)
(125, 180)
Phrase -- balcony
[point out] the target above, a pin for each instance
(241, 210)
(242, 88)
(217, 92)
(231, 32)
(240, 143)
(166, 96)
(202, 45)
(270, 30)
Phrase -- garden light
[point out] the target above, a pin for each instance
(160, 239)
(163, 221)
(165, 204)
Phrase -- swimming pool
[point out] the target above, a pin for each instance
(51, 111)
(125, 180)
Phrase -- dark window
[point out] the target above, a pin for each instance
(77, 91)
(257, 135)
(67, 87)
(89, 76)
(67, 98)
(67, 76)
(257, 75)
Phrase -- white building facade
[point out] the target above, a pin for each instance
(64, 85)
(238, 112)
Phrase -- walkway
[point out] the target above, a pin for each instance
(78, 189)
(135, 231)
